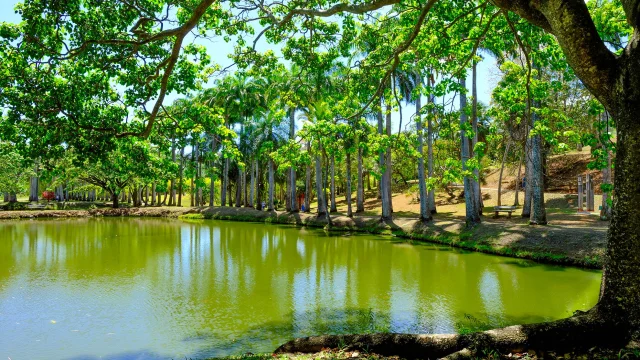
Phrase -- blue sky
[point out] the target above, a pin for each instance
(219, 50)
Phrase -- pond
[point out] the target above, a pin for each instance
(158, 288)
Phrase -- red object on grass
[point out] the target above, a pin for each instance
(48, 195)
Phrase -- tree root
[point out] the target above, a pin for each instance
(579, 332)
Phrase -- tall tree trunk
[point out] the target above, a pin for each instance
(293, 193)
(172, 198)
(388, 164)
(33, 185)
(620, 298)
(425, 214)
(153, 194)
(244, 187)
(382, 184)
(258, 183)
(472, 214)
(181, 176)
(528, 188)
(516, 201)
(360, 194)
(474, 124)
(271, 185)
(348, 189)
(307, 184)
(504, 160)
(239, 188)
(431, 200)
(5, 196)
(334, 207)
(538, 214)
(252, 183)
(225, 183)
(322, 204)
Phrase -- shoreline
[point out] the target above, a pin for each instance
(567, 245)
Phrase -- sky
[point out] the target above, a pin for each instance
(219, 50)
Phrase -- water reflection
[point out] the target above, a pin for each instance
(157, 288)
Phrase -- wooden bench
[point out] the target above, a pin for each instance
(36, 206)
(507, 209)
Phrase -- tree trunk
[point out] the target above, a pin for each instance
(271, 186)
(33, 185)
(360, 193)
(538, 214)
(382, 184)
(172, 198)
(253, 182)
(474, 123)
(528, 188)
(258, 183)
(504, 160)
(225, 183)
(620, 298)
(471, 202)
(307, 184)
(516, 201)
(431, 200)
(334, 207)
(348, 189)
(181, 176)
(114, 200)
(153, 194)
(293, 193)
(322, 204)
(239, 189)
(388, 164)
(425, 214)
(244, 187)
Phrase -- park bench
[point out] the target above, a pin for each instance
(36, 206)
(507, 209)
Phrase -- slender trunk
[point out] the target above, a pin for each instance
(516, 201)
(431, 200)
(307, 184)
(271, 186)
(322, 204)
(258, 183)
(239, 189)
(225, 182)
(360, 194)
(474, 122)
(504, 160)
(33, 186)
(181, 176)
(334, 207)
(253, 182)
(172, 198)
(244, 188)
(293, 194)
(472, 214)
(348, 189)
(153, 194)
(425, 214)
(382, 184)
(388, 164)
(5, 197)
(528, 188)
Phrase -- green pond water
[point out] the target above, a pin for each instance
(154, 288)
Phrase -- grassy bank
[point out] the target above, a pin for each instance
(564, 242)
